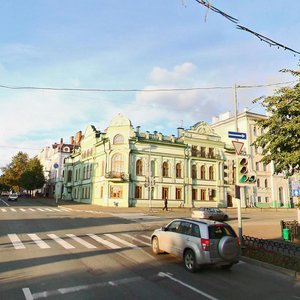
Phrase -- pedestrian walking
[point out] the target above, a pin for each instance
(166, 204)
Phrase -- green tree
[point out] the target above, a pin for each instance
(12, 172)
(280, 140)
(33, 177)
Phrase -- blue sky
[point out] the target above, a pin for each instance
(131, 44)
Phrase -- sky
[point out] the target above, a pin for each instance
(134, 45)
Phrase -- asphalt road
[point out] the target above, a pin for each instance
(51, 252)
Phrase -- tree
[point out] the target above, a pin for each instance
(13, 171)
(33, 177)
(280, 140)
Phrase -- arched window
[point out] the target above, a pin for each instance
(211, 173)
(165, 169)
(117, 164)
(266, 183)
(258, 182)
(280, 194)
(69, 179)
(118, 139)
(202, 172)
(178, 170)
(139, 167)
(194, 172)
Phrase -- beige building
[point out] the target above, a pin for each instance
(126, 167)
(52, 160)
(268, 190)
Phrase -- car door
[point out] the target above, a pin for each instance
(169, 236)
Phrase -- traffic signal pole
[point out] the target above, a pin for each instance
(239, 210)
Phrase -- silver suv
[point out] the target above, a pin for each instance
(198, 242)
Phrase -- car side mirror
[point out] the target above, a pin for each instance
(163, 228)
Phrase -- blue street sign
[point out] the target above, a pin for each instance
(237, 135)
(296, 193)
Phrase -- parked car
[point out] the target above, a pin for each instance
(198, 243)
(210, 213)
(13, 197)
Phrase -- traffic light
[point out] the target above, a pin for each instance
(245, 176)
(243, 170)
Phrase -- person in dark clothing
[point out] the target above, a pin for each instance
(166, 204)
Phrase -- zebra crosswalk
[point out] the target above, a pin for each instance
(34, 209)
(72, 241)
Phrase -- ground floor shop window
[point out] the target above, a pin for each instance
(116, 192)
(178, 193)
(138, 192)
(202, 194)
(194, 194)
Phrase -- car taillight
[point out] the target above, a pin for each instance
(205, 244)
(238, 242)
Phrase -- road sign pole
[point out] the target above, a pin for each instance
(238, 199)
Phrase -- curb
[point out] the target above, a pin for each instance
(288, 272)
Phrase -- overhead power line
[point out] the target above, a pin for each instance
(258, 35)
(140, 90)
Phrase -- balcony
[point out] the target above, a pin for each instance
(116, 176)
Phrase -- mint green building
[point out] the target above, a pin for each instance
(126, 167)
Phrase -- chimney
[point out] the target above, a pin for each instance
(72, 140)
(180, 131)
(138, 128)
(78, 137)
(61, 141)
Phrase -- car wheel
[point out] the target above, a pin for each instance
(155, 245)
(190, 261)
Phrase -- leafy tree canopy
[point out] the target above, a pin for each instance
(280, 140)
(33, 176)
(13, 171)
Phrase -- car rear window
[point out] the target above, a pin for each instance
(219, 230)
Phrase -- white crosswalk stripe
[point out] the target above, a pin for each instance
(81, 241)
(16, 241)
(103, 241)
(120, 240)
(38, 241)
(136, 239)
(35, 209)
(106, 240)
(60, 241)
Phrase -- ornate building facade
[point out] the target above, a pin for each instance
(126, 167)
(269, 189)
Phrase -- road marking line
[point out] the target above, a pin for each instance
(56, 209)
(73, 289)
(81, 241)
(16, 241)
(135, 239)
(38, 241)
(32, 209)
(146, 237)
(48, 209)
(27, 294)
(12, 209)
(120, 240)
(22, 209)
(4, 202)
(3, 210)
(60, 241)
(40, 209)
(103, 241)
(162, 274)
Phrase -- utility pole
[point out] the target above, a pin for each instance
(240, 231)
(150, 180)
